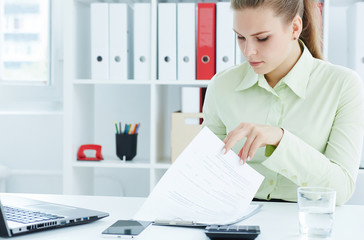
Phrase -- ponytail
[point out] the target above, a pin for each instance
(311, 29)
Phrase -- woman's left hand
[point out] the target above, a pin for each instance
(256, 136)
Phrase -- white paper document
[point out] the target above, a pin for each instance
(203, 186)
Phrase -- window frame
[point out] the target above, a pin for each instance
(35, 92)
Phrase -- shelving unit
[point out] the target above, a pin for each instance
(92, 106)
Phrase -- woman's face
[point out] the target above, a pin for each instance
(264, 39)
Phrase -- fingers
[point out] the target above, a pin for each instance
(254, 147)
(226, 140)
(250, 146)
(256, 136)
(243, 161)
(234, 136)
(245, 152)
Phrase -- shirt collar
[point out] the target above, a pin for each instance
(249, 80)
(296, 79)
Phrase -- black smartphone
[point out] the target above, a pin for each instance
(126, 228)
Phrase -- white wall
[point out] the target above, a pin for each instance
(30, 147)
(338, 52)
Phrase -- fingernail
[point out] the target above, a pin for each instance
(248, 159)
(223, 151)
(241, 161)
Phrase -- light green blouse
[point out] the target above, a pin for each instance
(319, 105)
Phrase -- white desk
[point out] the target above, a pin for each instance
(277, 221)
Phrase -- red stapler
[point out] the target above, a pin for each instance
(82, 156)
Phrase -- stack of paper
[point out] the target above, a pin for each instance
(203, 186)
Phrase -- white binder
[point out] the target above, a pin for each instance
(239, 57)
(225, 42)
(356, 37)
(99, 41)
(186, 41)
(167, 39)
(118, 41)
(142, 40)
(191, 103)
(190, 99)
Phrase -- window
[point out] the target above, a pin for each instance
(25, 49)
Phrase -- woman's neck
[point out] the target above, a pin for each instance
(276, 75)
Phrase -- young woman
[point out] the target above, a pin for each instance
(295, 118)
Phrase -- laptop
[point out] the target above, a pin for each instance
(20, 215)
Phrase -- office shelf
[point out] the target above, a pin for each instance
(192, 83)
(108, 82)
(91, 106)
(112, 162)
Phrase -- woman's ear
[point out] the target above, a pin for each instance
(296, 27)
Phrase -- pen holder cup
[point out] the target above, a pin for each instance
(126, 146)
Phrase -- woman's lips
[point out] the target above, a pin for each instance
(255, 64)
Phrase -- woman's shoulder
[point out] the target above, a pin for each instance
(340, 74)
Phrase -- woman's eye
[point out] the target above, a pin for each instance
(241, 37)
(262, 39)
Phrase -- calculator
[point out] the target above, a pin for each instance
(218, 232)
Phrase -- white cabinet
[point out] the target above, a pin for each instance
(91, 108)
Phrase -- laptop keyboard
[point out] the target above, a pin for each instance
(27, 216)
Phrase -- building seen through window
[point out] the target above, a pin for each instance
(25, 41)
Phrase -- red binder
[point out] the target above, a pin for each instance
(206, 38)
(206, 31)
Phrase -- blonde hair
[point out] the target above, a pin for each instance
(288, 9)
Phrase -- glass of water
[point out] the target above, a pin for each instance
(316, 206)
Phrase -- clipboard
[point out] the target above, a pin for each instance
(179, 223)
(253, 209)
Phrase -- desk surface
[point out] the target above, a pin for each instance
(277, 221)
